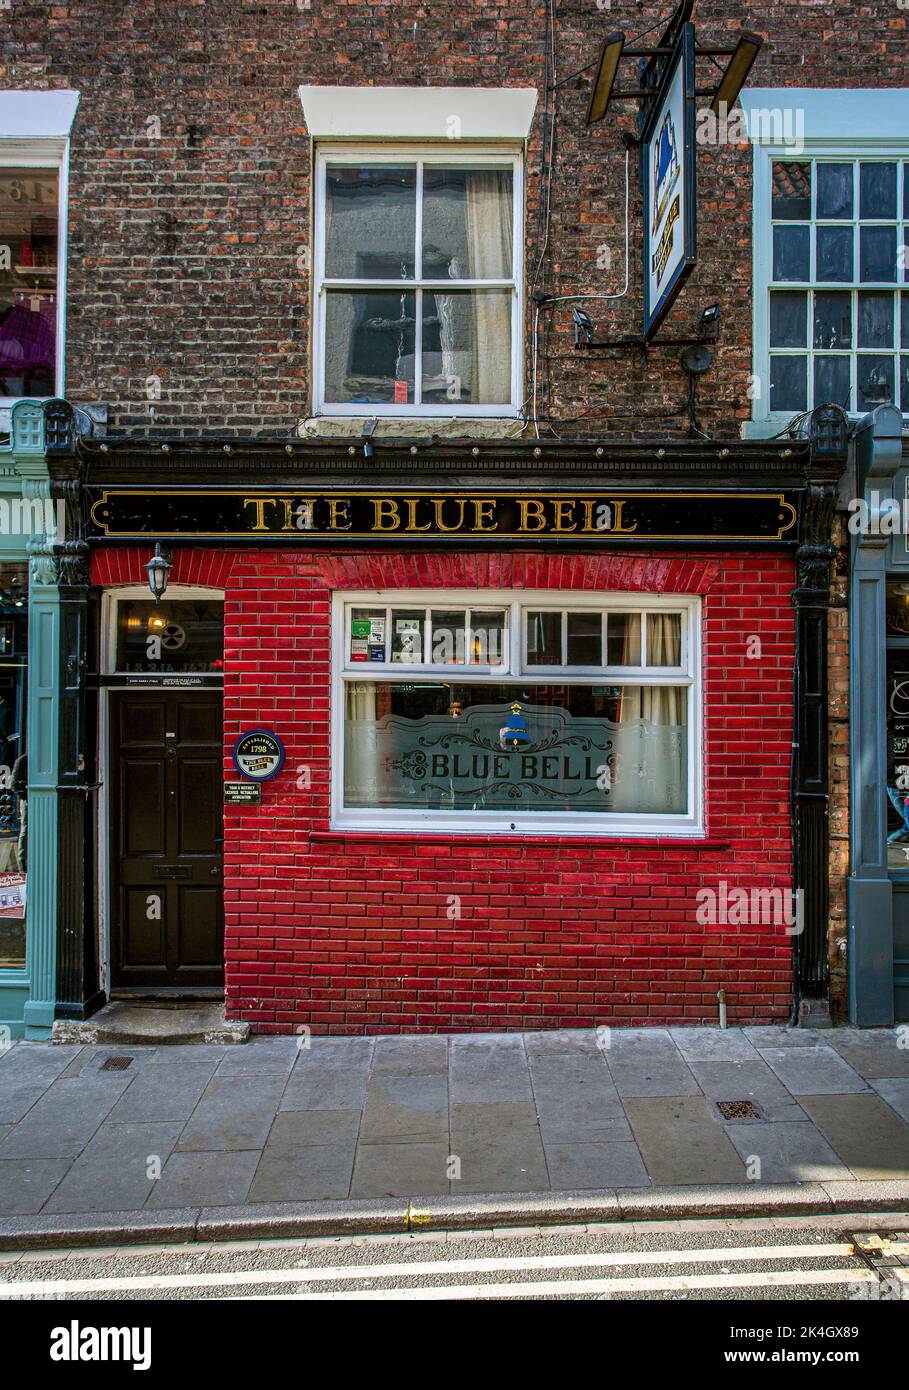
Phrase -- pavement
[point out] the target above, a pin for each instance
(320, 1135)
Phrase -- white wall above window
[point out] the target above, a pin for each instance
(418, 113)
(37, 115)
(835, 114)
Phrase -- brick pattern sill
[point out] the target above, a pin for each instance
(454, 836)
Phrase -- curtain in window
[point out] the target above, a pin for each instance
(489, 256)
(650, 772)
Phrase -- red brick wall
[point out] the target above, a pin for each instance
(348, 932)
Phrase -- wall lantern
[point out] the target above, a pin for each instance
(158, 571)
(741, 60)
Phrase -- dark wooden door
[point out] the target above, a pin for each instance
(167, 863)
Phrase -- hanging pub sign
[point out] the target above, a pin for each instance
(410, 515)
(258, 755)
(670, 186)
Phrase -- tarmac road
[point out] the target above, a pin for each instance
(842, 1259)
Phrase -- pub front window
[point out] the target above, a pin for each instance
(499, 713)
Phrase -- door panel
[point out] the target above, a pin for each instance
(167, 909)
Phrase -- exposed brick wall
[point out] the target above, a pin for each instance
(184, 249)
(348, 933)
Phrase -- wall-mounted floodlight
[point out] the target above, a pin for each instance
(604, 80)
(709, 322)
(736, 74)
(583, 327)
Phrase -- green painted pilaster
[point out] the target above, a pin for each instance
(27, 997)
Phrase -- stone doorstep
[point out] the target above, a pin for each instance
(154, 1025)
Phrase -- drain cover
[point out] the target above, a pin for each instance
(738, 1110)
(116, 1064)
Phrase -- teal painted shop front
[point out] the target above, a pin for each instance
(29, 709)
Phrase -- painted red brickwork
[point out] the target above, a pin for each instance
(348, 932)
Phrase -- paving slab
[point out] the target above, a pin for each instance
(576, 1099)
(164, 1093)
(316, 1172)
(26, 1184)
(896, 1094)
(681, 1142)
(499, 1146)
(325, 1081)
(562, 1041)
(864, 1131)
(761, 1037)
(204, 1179)
(296, 1129)
(876, 1055)
(61, 1123)
(813, 1071)
(196, 1053)
(405, 1109)
(134, 1140)
(492, 1117)
(400, 1170)
(646, 1062)
(234, 1113)
(38, 1063)
(92, 1059)
(97, 1184)
(17, 1098)
(595, 1166)
(786, 1152)
(754, 1081)
(271, 1055)
(405, 1055)
(342, 1051)
(489, 1067)
(714, 1045)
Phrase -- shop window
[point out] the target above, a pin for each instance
(29, 281)
(182, 635)
(418, 269)
(13, 765)
(837, 326)
(520, 714)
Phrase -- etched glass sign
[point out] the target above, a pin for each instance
(511, 747)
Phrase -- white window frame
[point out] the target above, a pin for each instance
(836, 125)
(580, 825)
(46, 154)
(459, 156)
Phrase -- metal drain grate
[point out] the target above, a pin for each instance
(738, 1110)
(116, 1064)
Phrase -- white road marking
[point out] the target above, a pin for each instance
(426, 1268)
(606, 1287)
